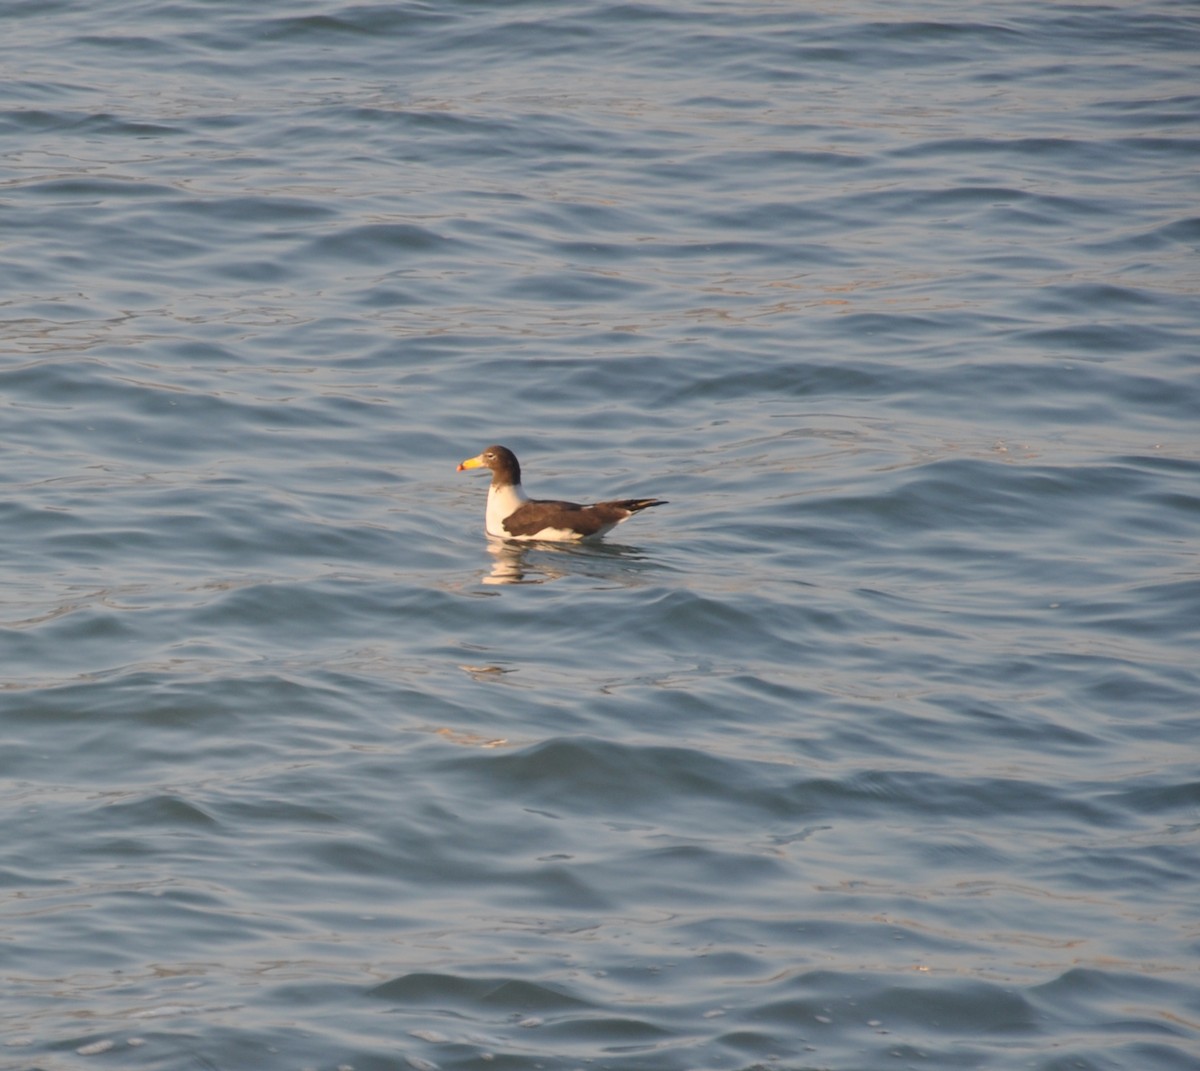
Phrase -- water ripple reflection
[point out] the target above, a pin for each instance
(876, 748)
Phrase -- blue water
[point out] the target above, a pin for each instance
(876, 748)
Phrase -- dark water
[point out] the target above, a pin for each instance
(876, 748)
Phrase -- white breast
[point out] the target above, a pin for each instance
(501, 502)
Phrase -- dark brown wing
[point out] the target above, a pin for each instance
(633, 505)
(536, 515)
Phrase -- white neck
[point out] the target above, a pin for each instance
(500, 503)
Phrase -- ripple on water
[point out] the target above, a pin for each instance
(874, 748)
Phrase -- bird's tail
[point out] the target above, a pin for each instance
(636, 504)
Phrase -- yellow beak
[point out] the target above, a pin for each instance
(470, 463)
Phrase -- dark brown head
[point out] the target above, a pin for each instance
(506, 470)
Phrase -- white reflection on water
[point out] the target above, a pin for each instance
(537, 563)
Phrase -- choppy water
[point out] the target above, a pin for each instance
(876, 748)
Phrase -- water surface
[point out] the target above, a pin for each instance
(875, 748)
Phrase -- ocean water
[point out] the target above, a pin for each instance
(877, 747)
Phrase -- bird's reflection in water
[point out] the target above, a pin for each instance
(538, 562)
